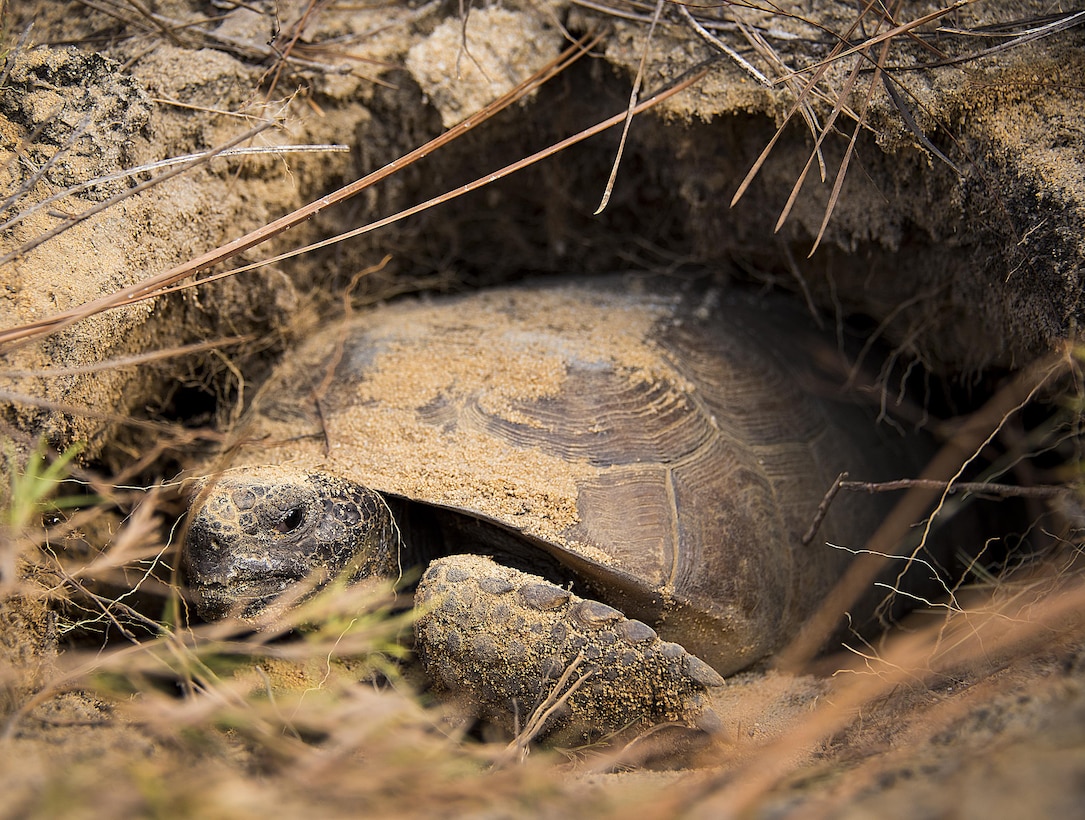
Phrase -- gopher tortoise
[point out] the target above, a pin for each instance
(586, 473)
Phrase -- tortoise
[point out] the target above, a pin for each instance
(613, 476)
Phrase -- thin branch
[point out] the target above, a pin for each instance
(808, 89)
(717, 43)
(126, 361)
(633, 96)
(842, 170)
(985, 488)
(915, 505)
(974, 487)
(555, 699)
(1061, 24)
(823, 509)
(39, 173)
(890, 88)
(885, 37)
(113, 200)
(168, 163)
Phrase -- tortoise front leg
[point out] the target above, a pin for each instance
(513, 645)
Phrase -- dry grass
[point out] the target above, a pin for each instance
(836, 73)
(312, 709)
(140, 712)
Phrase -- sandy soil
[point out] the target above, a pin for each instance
(972, 268)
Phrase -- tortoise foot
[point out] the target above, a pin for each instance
(534, 658)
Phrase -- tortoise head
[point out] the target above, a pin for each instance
(255, 533)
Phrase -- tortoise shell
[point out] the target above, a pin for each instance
(669, 449)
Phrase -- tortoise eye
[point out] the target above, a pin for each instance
(290, 521)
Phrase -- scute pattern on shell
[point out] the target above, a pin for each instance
(661, 445)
